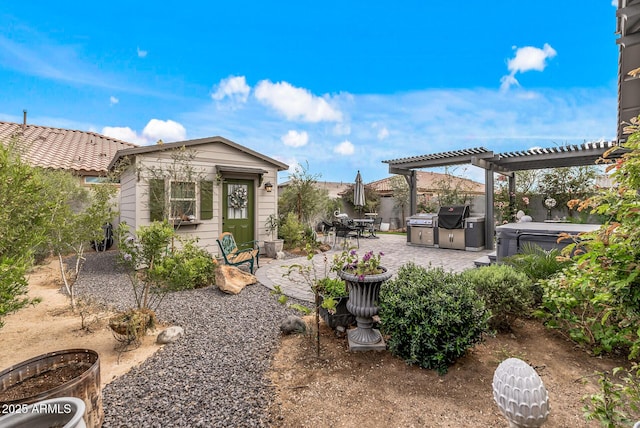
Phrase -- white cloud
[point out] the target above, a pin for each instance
(526, 59)
(155, 130)
(141, 53)
(234, 88)
(113, 100)
(295, 138)
(167, 131)
(344, 148)
(296, 103)
(123, 133)
(383, 133)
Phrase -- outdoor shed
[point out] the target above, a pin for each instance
(203, 187)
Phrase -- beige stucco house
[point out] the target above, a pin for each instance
(204, 187)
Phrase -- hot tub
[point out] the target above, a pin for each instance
(510, 237)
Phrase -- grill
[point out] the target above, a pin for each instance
(451, 223)
(452, 217)
(421, 229)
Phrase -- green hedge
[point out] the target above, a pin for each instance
(431, 316)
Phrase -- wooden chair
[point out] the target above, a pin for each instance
(234, 256)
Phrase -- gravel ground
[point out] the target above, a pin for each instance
(212, 377)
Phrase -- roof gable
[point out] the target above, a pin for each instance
(144, 150)
(68, 149)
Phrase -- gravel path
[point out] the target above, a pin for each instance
(214, 376)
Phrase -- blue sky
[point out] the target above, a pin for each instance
(340, 85)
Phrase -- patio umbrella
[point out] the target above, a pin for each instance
(358, 192)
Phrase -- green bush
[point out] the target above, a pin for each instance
(187, 268)
(506, 293)
(291, 231)
(432, 316)
(538, 264)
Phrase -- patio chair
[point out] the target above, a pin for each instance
(234, 256)
(375, 226)
(328, 230)
(344, 230)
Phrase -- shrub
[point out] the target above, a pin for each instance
(432, 316)
(506, 293)
(291, 231)
(538, 264)
(617, 403)
(187, 268)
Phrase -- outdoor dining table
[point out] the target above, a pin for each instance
(364, 225)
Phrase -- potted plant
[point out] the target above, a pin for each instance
(363, 276)
(334, 296)
(273, 247)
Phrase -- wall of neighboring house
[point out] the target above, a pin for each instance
(134, 206)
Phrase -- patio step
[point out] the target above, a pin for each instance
(487, 260)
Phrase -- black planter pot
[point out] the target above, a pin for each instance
(341, 318)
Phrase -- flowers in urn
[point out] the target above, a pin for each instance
(349, 261)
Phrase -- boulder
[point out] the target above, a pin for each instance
(280, 255)
(170, 335)
(293, 324)
(232, 280)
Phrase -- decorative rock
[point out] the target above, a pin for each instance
(280, 255)
(232, 280)
(520, 394)
(170, 335)
(293, 324)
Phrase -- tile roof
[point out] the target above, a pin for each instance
(428, 182)
(56, 148)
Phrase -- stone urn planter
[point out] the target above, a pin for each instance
(363, 300)
(64, 412)
(272, 248)
(67, 373)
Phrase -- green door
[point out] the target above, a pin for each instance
(238, 210)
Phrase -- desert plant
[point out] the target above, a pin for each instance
(186, 268)
(139, 254)
(431, 316)
(506, 293)
(617, 403)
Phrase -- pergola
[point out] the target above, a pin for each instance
(502, 163)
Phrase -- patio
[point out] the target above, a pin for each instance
(396, 253)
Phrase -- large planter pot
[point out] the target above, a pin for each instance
(341, 317)
(272, 248)
(64, 412)
(363, 301)
(68, 373)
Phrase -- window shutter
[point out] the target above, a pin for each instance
(206, 200)
(156, 200)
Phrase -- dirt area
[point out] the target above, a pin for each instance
(375, 389)
(51, 326)
(341, 389)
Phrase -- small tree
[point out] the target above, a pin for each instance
(77, 218)
(401, 193)
(566, 184)
(23, 220)
(302, 196)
